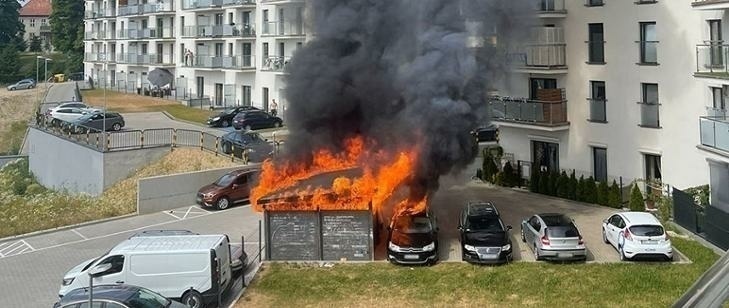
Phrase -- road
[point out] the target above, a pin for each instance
(32, 267)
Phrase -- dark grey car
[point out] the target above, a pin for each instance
(256, 148)
(117, 296)
(553, 236)
(95, 121)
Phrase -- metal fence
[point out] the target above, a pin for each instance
(254, 246)
(686, 212)
(141, 139)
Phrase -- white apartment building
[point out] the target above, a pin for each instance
(618, 89)
(230, 52)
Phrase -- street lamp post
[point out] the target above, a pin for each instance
(36, 76)
(45, 72)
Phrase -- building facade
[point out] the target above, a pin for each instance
(227, 52)
(615, 89)
(35, 16)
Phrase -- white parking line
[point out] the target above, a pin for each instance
(113, 234)
(2, 245)
(187, 213)
(173, 215)
(15, 248)
(7, 250)
(79, 234)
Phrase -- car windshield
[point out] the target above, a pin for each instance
(229, 111)
(225, 180)
(647, 230)
(147, 299)
(562, 231)
(412, 225)
(483, 223)
(85, 117)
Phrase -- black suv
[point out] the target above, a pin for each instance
(413, 239)
(484, 237)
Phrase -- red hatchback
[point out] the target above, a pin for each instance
(232, 188)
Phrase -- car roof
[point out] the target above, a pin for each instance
(556, 219)
(242, 171)
(481, 208)
(118, 293)
(178, 243)
(640, 218)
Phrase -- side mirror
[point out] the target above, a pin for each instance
(99, 270)
(235, 186)
(604, 221)
(508, 228)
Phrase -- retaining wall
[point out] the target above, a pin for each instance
(168, 192)
(4, 160)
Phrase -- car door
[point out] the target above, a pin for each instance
(115, 274)
(613, 229)
(535, 226)
(266, 120)
(240, 189)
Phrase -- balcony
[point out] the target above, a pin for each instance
(213, 31)
(710, 4)
(283, 29)
(94, 35)
(545, 55)
(239, 3)
(276, 2)
(244, 62)
(201, 4)
(160, 60)
(547, 114)
(206, 61)
(551, 9)
(715, 134)
(711, 60)
(275, 64)
(99, 57)
(146, 8)
(45, 28)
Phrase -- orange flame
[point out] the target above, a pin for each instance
(382, 174)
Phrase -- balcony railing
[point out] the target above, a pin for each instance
(146, 8)
(550, 6)
(711, 60)
(201, 4)
(530, 112)
(711, 4)
(206, 61)
(715, 132)
(203, 31)
(99, 57)
(95, 35)
(281, 28)
(239, 62)
(598, 112)
(45, 28)
(547, 49)
(275, 64)
(239, 2)
(161, 59)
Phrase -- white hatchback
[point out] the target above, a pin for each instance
(637, 234)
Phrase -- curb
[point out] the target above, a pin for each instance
(167, 114)
(698, 239)
(82, 224)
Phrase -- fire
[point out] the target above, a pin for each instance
(381, 175)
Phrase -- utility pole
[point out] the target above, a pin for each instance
(45, 72)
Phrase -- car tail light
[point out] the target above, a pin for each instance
(627, 235)
(545, 240)
(580, 241)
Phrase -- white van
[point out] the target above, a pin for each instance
(189, 268)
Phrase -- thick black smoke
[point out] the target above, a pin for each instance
(400, 72)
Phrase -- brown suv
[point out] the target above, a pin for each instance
(234, 187)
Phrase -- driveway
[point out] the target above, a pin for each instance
(32, 267)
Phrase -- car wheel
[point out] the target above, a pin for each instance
(523, 238)
(222, 204)
(12, 89)
(227, 147)
(537, 257)
(225, 123)
(116, 127)
(278, 124)
(193, 299)
(604, 237)
(248, 127)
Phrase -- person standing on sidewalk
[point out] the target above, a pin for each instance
(274, 106)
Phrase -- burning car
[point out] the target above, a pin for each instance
(413, 239)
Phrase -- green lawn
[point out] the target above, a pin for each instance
(13, 138)
(456, 284)
(127, 103)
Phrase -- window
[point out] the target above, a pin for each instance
(649, 106)
(246, 96)
(716, 53)
(32, 23)
(594, 3)
(117, 264)
(596, 44)
(597, 101)
(718, 106)
(648, 43)
(265, 51)
(599, 164)
(653, 169)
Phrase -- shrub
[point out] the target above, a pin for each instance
(479, 174)
(603, 193)
(534, 181)
(614, 196)
(636, 199)
(590, 190)
(34, 189)
(489, 167)
(544, 183)
(665, 208)
(563, 185)
(580, 189)
(510, 178)
(553, 182)
(572, 187)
